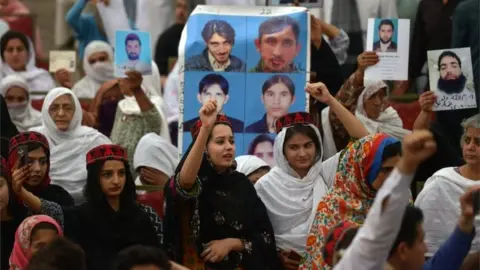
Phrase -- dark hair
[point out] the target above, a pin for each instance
(219, 27)
(283, 79)
(408, 231)
(43, 226)
(212, 79)
(451, 54)
(14, 208)
(304, 130)
(60, 254)
(392, 150)
(141, 255)
(259, 139)
(9, 35)
(133, 37)
(93, 191)
(278, 24)
(31, 146)
(386, 22)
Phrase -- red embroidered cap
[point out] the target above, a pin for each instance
(28, 137)
(292, 119)
(221, 119)
(334, 238)
(106, 152)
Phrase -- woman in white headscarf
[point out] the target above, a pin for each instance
(252, 166)
(292, 189)
(69, 141)
(18, 57)
(155, 160)
(16, 92)
(98, 66)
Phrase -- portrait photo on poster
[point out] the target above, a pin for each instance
(451, 77)
(386, 35)
(260, 145)
(271, 96)
(216, 43)
(132, 52)
(224, 87)
(390, 39)
(302, 3)
(279, 43)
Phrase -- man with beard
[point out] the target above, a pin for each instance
(219, 36)
(386, 29)
(451, 80)
(278, 45)
(133, 47)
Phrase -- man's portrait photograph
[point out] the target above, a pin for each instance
(385, 35)
(451, 77)
(132, 52)
(216, 45)
(279, 44)
(229, 94)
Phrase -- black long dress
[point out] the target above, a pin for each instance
(7, 128)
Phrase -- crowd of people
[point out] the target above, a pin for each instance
(94, 180)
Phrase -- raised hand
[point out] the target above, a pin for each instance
(427, 100)
(208, 114)
(416, 148)
(367, 59)
(467, 216)
(132, 83)
(319, 92)
(19, 176)
(63, 77)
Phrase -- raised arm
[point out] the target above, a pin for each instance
(426, 100)
(353, 126)
(189, 171)
(74, 16)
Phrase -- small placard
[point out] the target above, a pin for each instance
(62, 59)
(132, 52)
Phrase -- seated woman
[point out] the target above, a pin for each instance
(16, 92)
(214, 218)
(18, 58)
(292, 189)
(363, 167)
(98, 67)
(252, 166)
(33, 234)
(439, 196)
(38, 157)
(68, 140)
(139, 113)
(110, 220)
(13, 212)
(367, 100)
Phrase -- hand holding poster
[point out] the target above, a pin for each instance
(253, 61)
(133, 52)
(62, 60)
(451, 78)
(390, 39)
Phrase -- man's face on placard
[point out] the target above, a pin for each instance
(133, 49)
(213, 92)
(220, 48)
(450, 68)
(385, 33)
(278, 50)
(277, 100)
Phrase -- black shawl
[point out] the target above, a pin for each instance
(228, 207)
(7, 128)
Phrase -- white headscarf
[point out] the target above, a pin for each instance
(38, 79)
(68, 149)
(291, 201)
(96, 74)
(388, 122)
(23, 116)
(156, 152)
(248, 164)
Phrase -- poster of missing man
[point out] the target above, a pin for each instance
(254, 61)
(451, 77)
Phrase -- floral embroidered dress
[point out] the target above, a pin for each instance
(218, 206)
(351, 196)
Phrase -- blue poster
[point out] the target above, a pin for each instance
(253, 61)
(132, 52)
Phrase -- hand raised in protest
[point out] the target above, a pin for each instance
(208, 114)
(416, 148)
(319, 91)
(367, 59)
(427, 100)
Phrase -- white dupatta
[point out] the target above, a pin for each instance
(440, 203)
(290, 200)
(68, 149)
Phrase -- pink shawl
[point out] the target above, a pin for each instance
(21, 248)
